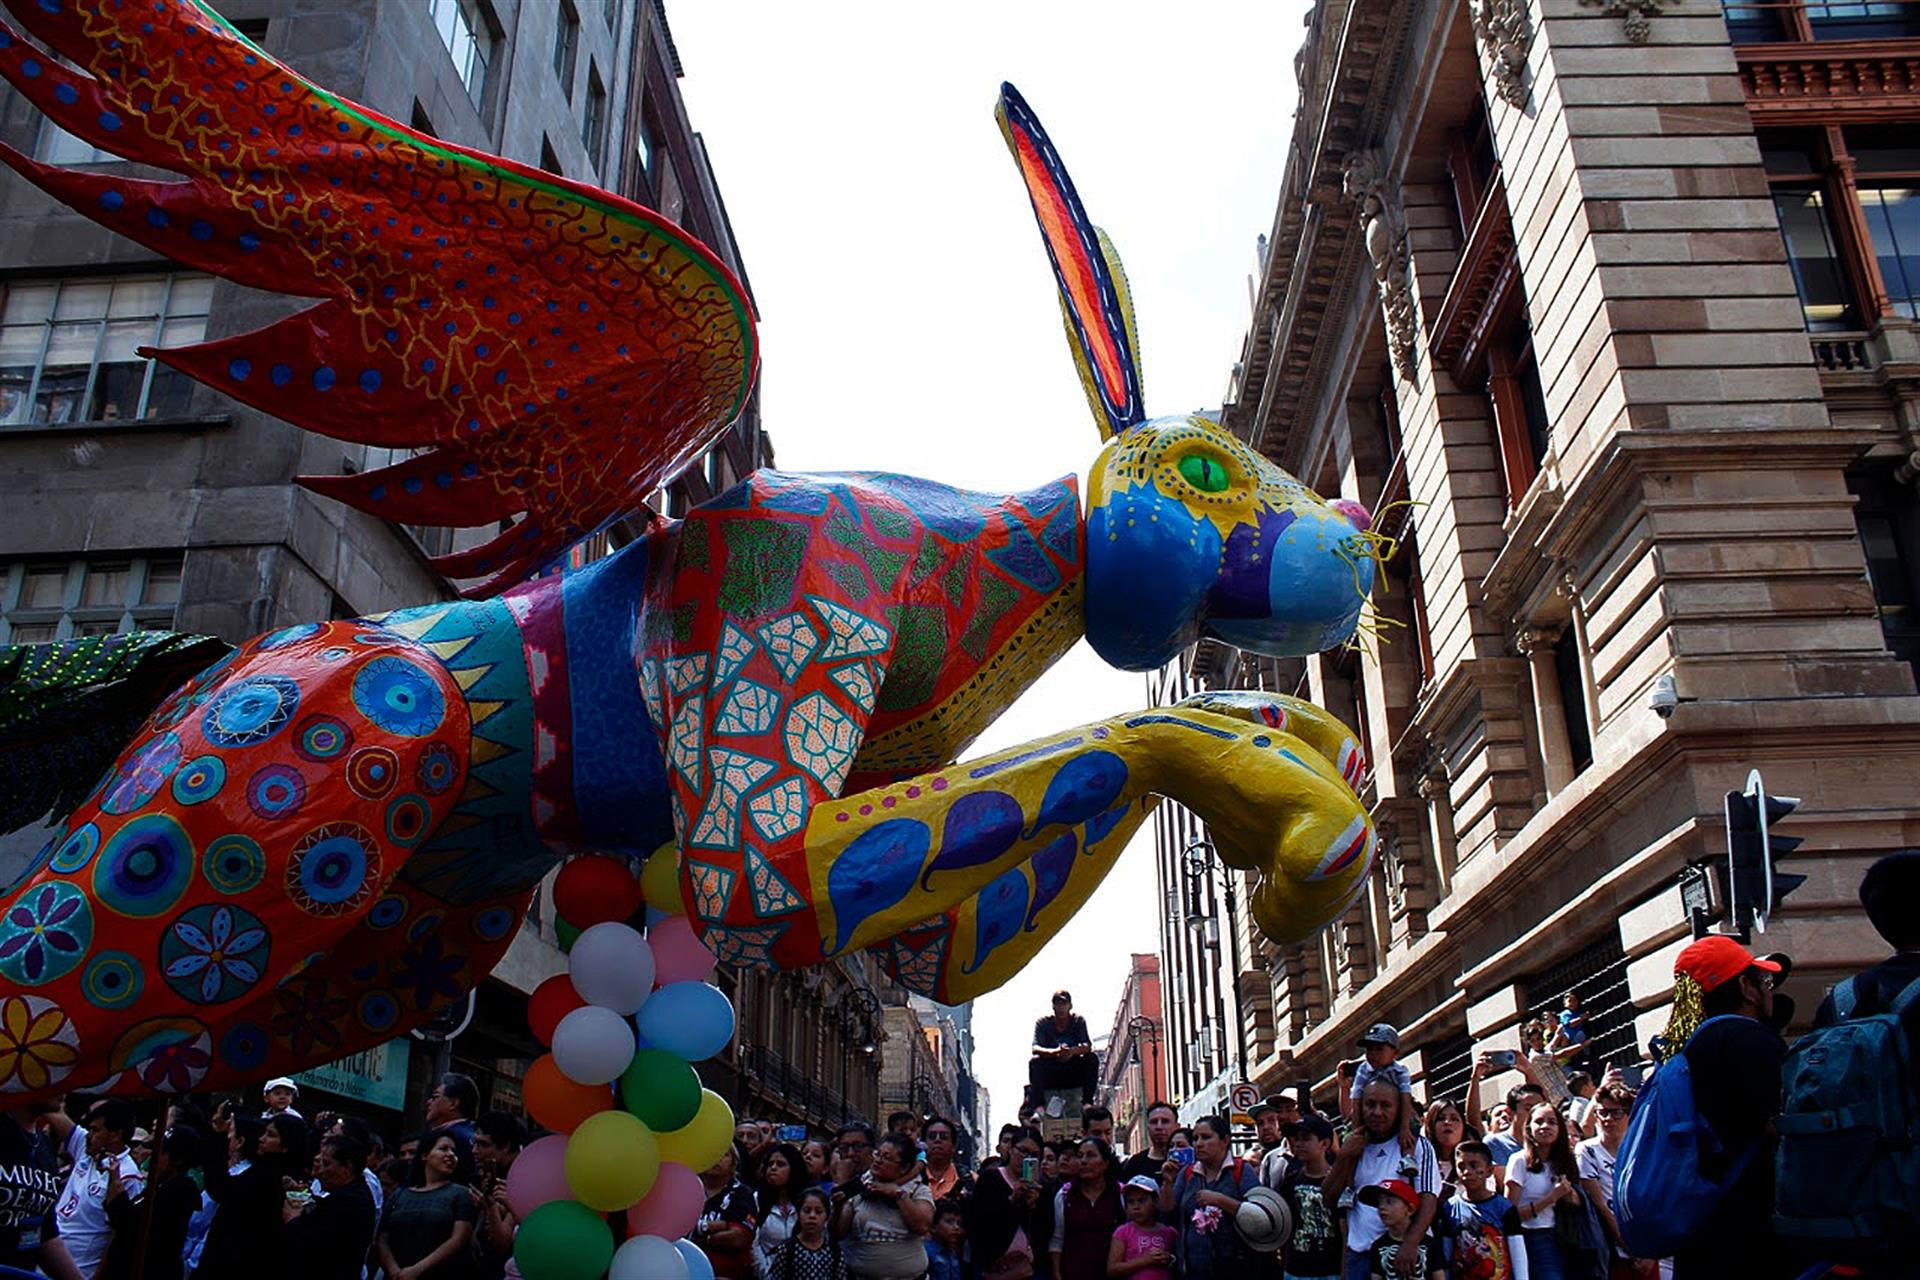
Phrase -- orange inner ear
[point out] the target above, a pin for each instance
(1076, 268)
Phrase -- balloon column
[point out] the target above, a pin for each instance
(632, 1127)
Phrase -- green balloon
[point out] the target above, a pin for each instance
(661, 1089)
(563, 1240)
(565, 932)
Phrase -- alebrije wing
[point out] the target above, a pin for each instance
(550, 348)
(1093, 291)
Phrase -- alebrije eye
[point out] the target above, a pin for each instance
(1204, 473)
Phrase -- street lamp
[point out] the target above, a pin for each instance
(1198, 860)
(858, 1009)
(1141, 1027)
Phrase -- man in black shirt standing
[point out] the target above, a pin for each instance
(1062, 1054)
(1890, 892)
(1735, 1064)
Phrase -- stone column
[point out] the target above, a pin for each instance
(1549, 714)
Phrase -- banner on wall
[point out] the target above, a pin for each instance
(376, 1076)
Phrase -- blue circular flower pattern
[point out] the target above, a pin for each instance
(141, 775)
(250, 711)
(333, 869)
(214, 953)
(399, 696)
(321, 737)
(145, 867)
(378, 1011)
(45, 933)
(407, 819)
(275, 792)
(436, 770)
(288, 635)
(233, 863)
(492, 924)
(244, 1047)
(77, 850)
(387, 912)
(372, 771)
(112, 980)
(199, 780)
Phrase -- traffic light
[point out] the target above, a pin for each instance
(1754, 886)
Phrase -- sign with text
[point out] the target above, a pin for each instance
(376, 1076)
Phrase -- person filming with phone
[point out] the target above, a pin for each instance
(1000, 1214)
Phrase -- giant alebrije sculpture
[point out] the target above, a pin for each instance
(317, 841)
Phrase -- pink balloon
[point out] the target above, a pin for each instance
(672, 1208)
(678, 953)
(539, 1175)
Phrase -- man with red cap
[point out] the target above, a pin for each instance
(1724, 1013)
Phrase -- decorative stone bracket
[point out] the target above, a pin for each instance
(1505, 29)
(1638, 13)
(1383, 225)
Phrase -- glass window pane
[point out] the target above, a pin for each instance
(1885, 149)
(20, 343)
(83, 301)
(136, 298)
(1817, 268)
(99, 627)
(105, 584)
(14, 381)
(171, 395)
(29, 303)
(1893, 219)
(58, 399)
(163, 583)
(116, 391)
(1791, 153)
(33, 632)
(122, 337)
(45, 587)
(73, 343)
(191, 296)
(181, 333)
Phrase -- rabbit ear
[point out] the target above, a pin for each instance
(1093, 290)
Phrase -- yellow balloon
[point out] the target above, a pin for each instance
(612, 1160)
(660, 880)
(704, 1139)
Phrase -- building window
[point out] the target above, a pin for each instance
(1799, 20)
(62, 599)
(56, 146)
(1849, 208)
(1886, 160)
(469, 41)
(548, 160)
(1573, 697)
(593, 120)
(1888, 517)
(566, 47)
(68, 348)
(1519, 409)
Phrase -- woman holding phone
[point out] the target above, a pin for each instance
(999, 1216)
(1202, 1198)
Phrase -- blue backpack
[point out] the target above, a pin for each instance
(1849, 1162)
(1661, 1197)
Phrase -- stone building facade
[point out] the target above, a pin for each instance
(1609, 312)
(136, 498)
(1133, 1070)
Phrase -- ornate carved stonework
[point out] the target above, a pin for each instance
(1505, 29)
(1638, 13)
(1383, 225)
(1869, 86)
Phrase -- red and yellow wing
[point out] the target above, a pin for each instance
(554, 350)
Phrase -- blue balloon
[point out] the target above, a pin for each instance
(690, 1020)
(699, 1267)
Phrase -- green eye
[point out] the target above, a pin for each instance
(1203, 473)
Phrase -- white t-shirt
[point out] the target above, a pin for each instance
(82, 1211)
(1533, 1186)
(1378, 1163)
(1597, 1162)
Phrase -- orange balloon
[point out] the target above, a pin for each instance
(559, 1103)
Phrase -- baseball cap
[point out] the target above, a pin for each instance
(1314, 1126)
(1141, 1182)
(1717, 959)
(1395, 1187)
(1381, 1033)
(1280, 1101)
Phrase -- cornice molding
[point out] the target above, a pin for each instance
(1853, 80)
(1505, 31)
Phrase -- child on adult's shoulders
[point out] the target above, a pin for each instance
(1396, 1202)
(1380, 1049)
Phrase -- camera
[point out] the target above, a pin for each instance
(1664, 698)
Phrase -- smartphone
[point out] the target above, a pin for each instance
(1503, 1059)
(793, 1133)
(1348, 1068)
(1183, 1155)
(1633, 1076)
(1030, 1169)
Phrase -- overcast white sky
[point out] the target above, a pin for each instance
(909, 320)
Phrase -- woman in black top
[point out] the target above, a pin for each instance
(246, 1227)
(427, 1228)
(153, 1224)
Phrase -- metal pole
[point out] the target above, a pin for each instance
(1233, 947)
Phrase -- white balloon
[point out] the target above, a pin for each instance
(592, 1045)
(612, 966)
(648, 1258)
